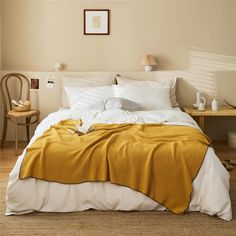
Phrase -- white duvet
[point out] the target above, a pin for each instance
(210, 187)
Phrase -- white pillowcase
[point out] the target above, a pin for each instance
(168, 82)
(150, 98)
(114, 103)
(68, 81)
(83, 97)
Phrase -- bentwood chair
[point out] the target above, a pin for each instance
(20, 87)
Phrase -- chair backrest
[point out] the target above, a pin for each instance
(21, 85)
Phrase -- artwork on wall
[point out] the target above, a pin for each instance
(96, 22)
(34, 83)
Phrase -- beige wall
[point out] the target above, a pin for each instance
(196, 38)
(35, 34)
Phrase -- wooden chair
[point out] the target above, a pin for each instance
(9, 113)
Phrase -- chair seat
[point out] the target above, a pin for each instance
(18, 114)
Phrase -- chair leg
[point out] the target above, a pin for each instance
(16, 137)
(27, 128)
(4, 133)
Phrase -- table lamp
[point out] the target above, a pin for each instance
(148, 61)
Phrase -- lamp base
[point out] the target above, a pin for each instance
(148, 68)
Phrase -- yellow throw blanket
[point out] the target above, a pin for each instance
(158, 160)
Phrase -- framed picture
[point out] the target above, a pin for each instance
(34, 83)
(96, 22)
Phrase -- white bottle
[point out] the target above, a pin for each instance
(214, 105)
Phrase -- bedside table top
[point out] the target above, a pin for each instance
(223, 111)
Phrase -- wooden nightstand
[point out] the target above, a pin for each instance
(223, 111)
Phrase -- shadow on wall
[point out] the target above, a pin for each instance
(214, 74)
(186, 92)
(226, 85)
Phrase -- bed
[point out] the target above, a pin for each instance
(210, 188)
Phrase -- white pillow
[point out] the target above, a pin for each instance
(114, 103)
(169, 82)
(149, 98)
(84, 97)
(68, 81)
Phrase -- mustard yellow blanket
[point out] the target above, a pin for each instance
(158, 160)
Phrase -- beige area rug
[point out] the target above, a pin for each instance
(114, 223)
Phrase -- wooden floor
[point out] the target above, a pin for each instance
(113, 223)
(8, 159)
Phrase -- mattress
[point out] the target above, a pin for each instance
(210, 188)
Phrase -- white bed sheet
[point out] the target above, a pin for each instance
(210, 188)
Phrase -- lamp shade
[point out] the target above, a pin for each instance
(148, 60)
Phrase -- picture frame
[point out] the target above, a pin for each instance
(34, 84)
(96, 21)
